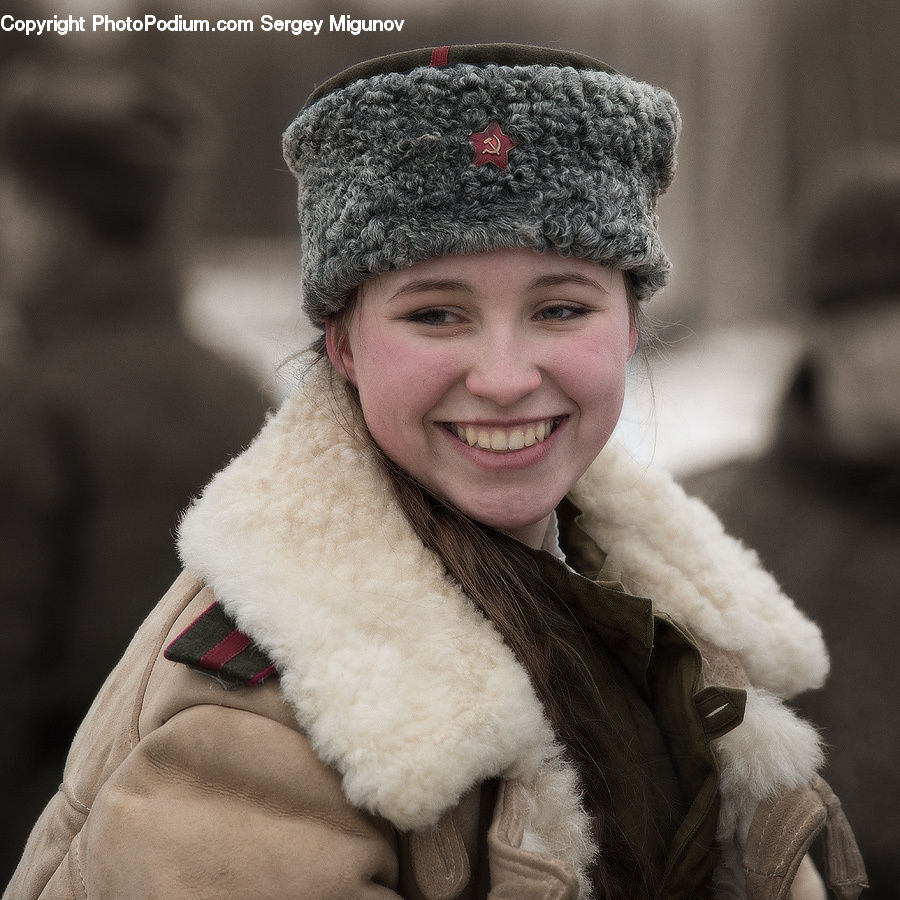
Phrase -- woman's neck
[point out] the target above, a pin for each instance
(531, 535)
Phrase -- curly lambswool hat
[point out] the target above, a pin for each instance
(466, 149)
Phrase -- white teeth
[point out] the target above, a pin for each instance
(517, 439)
(501, 440)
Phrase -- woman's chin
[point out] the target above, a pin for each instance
(528, 527)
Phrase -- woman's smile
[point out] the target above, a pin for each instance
(510, 449)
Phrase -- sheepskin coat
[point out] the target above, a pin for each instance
(365, 760)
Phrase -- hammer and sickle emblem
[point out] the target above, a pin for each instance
(491, 145)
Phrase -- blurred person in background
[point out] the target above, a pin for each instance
(822, 507)
(112, 417)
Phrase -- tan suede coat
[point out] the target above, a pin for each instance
(159, 801)
(400, 750)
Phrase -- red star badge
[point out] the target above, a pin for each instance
(491, 146)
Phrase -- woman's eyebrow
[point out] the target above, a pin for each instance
(424, 285)
(543, 281)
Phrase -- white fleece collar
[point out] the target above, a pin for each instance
(672, 548)
(400, 683)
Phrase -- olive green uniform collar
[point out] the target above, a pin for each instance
(649, 672)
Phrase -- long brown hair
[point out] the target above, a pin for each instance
(501, 577)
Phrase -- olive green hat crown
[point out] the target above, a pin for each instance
(473, 148)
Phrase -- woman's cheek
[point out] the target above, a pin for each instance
(591, 375)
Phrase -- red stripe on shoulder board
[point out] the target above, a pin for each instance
(439, 57)
(260, 676)
(225, 650)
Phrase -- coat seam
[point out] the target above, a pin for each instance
(76, 844)
(73, 801)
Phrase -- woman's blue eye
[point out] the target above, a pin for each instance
(560, 313)
(432, 316)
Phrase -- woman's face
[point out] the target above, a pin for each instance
(494, 379)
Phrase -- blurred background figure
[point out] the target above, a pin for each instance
(112, 417)
(822, 507)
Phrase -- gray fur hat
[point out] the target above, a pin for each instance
(467, 149)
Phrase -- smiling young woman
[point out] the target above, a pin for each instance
(437, 636)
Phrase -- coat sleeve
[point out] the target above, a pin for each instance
(222, 802)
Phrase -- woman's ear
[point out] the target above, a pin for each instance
(337, 345)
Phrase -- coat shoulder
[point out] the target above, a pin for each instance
(213, 643)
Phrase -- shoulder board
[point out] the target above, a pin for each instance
(213, 643)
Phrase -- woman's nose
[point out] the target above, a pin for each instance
(503, 371)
